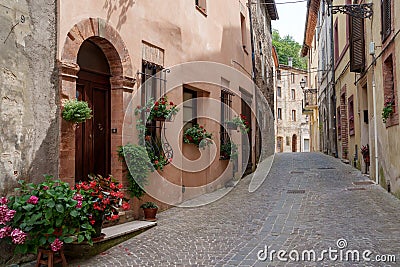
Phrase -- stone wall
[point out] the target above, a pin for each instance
(28, 95)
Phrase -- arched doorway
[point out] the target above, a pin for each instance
(294, 143)
(93, 138)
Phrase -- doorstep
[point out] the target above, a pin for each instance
(114, 235)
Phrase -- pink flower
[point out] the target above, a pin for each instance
(56, 245)
(45, 187)
(3, 200)
(170, 160)
(78, 197)
(5, 231)
(33, 200)
(6, 214)
(18, 236)
(79, 204)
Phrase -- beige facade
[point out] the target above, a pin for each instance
(168, 37)
(292, 129)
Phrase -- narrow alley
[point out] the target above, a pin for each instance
(307, 202)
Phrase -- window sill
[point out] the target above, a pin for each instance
(202, 11)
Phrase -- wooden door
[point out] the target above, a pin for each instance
(92, 138)
(247, 160)
(294, 143)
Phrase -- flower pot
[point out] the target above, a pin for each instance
(150, 214)
(231, 125)
(159, 118)
(98, 225)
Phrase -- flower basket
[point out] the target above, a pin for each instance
(198, 136)
(76, 111)
(160, 110)
(230, 125)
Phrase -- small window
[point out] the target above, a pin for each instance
(189, 108)
(293, 115)
(244, 33)
(386, 9)
(351, 114)
(293, 77)
(293, 94)
(279, 114)
(278, 74)
(201, 5)
(336, 40)
(279, 91)
(287, 140)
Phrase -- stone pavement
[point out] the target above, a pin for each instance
(232, 230)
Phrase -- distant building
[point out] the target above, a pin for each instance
(292, 129)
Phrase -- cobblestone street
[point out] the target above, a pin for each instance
(231, 231)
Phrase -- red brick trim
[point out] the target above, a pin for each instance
(109, 40)
(387, 85)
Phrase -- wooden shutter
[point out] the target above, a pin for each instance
(386, 18)
(357, 44)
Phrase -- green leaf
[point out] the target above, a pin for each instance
(50, 231)
(42, 240)
(68, 239)
(51, 204)
(49, 214)
(80, 238)
(60, 208)
(74, 213)
(59, 222)
(21, 249)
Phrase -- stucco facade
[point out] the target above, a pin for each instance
(129, 34)
(292, 130)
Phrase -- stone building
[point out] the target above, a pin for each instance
(292, 129)
(262, 12)
(104, 54)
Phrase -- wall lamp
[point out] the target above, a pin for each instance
(363, 11)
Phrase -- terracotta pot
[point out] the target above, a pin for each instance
(159, 118)
(150, 214)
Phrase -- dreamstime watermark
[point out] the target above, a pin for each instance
(338, 253)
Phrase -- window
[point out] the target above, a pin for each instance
(287, 140)
(279, 113)
(244, 33)
(278, 74)
(201, 5)
(351, 114)
(279, 91)
(293, 115)
(279, 144)
(357, 45)
(389, 89)
(226, 105)
(386, 11)
(293, 77)
(189, 108)
(293, 94)
(336, 40)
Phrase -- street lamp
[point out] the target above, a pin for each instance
(303, 84)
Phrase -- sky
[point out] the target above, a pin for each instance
(292, 18)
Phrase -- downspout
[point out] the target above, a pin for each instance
(249, 3)
(333, 84)
(375, 126)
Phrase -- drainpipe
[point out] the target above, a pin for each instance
(375, 124)
(334, 89)
(249, 3)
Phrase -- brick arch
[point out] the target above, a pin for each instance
(121, 81)
(106, 37)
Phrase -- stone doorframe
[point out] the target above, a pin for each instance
(122, 83)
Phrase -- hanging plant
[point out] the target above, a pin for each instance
(160, 110)
(197, 135)
(239, 121)
(76, 111)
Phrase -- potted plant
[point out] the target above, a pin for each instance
(388, 109)
(106, 197)
(197, 135)
(229, 151)
(160, 110)
(150, 211)
(239, 121)
(44, 216)
(76, 111)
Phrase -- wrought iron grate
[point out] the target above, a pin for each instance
(296, 191)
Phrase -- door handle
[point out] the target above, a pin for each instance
(100, 127)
